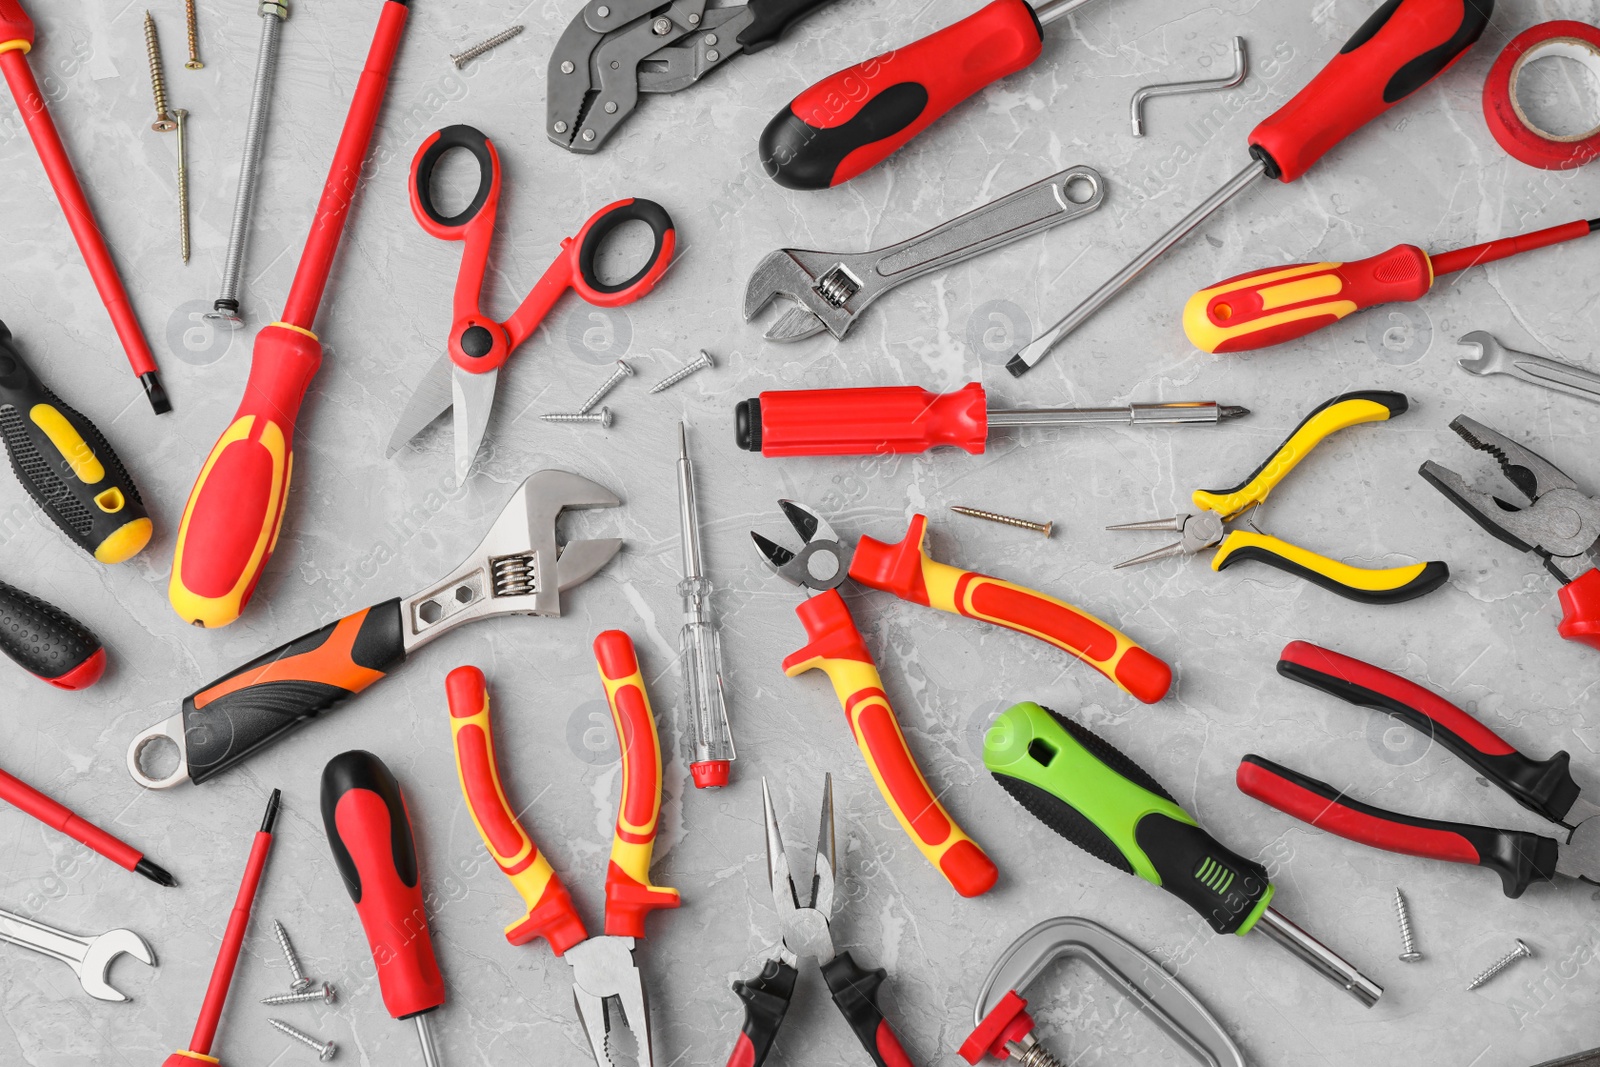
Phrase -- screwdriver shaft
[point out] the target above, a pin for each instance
(1322, 959)
(1133, 414)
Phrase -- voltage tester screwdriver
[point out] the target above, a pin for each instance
(1100, 800)
(1402, 47)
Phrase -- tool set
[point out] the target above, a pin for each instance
(1067, 777)
(906, 418)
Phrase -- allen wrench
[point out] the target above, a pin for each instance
(1241, 64)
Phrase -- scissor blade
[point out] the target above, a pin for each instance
(430, 400)
(473, 398)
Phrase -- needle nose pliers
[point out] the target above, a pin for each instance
(1218, 507)
(1545, 787)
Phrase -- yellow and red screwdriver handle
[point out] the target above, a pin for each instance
(235, 511)
(835, 646)
(550, 913)
(1372, 585)
(905, 570)
(1276, 304)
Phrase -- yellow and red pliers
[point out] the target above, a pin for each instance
(603, 967)
(835, 646)
(1208, 528)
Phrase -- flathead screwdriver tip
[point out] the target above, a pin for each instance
(156, 874)
(1232, 411)
(270, 819)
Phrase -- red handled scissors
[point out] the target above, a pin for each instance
(464, 379)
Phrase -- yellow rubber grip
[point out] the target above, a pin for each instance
(1280, 288)
(1369, 585)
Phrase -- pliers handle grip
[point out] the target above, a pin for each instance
(855, 993)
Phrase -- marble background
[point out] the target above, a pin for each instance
(361, 529)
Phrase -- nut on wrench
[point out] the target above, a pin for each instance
(90, 958)
(831, 289)
(1495, 358)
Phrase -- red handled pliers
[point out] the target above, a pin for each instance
(1545, 787)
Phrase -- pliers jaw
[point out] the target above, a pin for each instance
(804, 926)
(1559, 523)
(1198, 532)
(821, 563)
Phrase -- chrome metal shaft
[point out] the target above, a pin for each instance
(1129, 414)
(1322, 959)
(430, 1054)
(1051, 10)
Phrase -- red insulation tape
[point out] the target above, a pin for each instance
(1510, 125)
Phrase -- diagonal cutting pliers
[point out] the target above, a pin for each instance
(804, 934)
(1209, 527)
(1545, 787)
(605, 976)
(1560, 523)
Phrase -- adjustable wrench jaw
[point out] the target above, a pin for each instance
(828, 291)
(520, 568)
(822, 562)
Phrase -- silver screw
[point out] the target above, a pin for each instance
(1501, 964)
(158, 79)
(603, 417)
(1407, 942)
(461, 59)
(326, 994)
(325, 1052)
(622, 371)
(567, 67)
(301, 983)
(182, 117)
(700, 363)
(1023, 524)
(661, 27)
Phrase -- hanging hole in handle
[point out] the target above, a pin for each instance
(441, 176)
(1080, 189)
(607, 237)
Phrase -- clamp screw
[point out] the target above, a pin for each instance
(1409, 953)
(300, 983)
(1022, 524)
(622, 371)
(700, 363)
(603, 417)
(325, 1052)
(326, 994)
(158, 80)
(661, 26)
(1501, 964)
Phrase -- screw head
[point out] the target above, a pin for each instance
(328, 1052)
(300, 985)
(560, 126)
(712, 55)
(1410, 957)
(1523, 949)
(710, 39)
(588, 135)
(603, 11)
(611, 107)
(163, 125)
(194, 64)
(605, 424)
(566, 66)
(661, 27)
(624, 369)
(694, 18)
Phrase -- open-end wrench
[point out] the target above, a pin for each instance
(1495, 358)
(90, 958)
(830, 289)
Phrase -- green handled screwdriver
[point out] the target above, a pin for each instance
(1100, 800)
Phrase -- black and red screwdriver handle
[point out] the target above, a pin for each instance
(47, 642)
(855, 993)
(369, 831)
(854, 119)
(1520, 858)
(1404, 45)
(1542, 786)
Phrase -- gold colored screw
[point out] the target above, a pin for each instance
(1022, 524)
(158, 80)
(194, 37)
(183, 184)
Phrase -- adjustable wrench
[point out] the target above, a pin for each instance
(830, 289)
(89, 958)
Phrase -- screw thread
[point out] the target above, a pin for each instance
(183, 184)
(194, 35)
(326, 993)
(701, 363)
(1005, 520)
(1500, 964)
(324, 1049)
(603, 416)
(158, 79)
(1408, 943)
(300, 979)
(244, 201)
(462, 58)
(622, 371)
(1029, 1053)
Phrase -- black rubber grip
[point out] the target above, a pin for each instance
(472, 140)
(855, 994)
(358, 769)
(1433, 574)
(1395, 402)
(252, 706)
(1424, 68)
(747, 424)
(797, 155)
(771, 19)
(1199, 870)
(766, 1001)
(44, 640)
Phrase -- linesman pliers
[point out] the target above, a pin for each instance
(1219, 507)
(805, 934)
(1560, 524)
(1545, 787)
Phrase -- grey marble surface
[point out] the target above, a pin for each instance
(362, 529)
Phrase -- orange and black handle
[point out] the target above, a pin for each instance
(254, 705)
(835, 646)
(67, 466)
(855, 118)
(630, 896)
(1403, 46)
(905, 570)
(550, 913)
(1277, 304)
(47, 642)
(369, 830)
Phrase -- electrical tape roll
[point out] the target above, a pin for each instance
(1512, 128)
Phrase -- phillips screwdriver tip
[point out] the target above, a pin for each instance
(1232, 411)
(156, 874)
(270, 819)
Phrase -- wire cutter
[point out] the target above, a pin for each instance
(464, 379)
(605, 977)
(1560, 524)
(613, 50)
(805, 935)
(1545, 787)
(1219, 507)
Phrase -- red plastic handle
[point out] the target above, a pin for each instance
(863, 422)
(59, 817)
(1401, 48)
(15, 25)
(854, 119)
(1505, 247)
(1580, 609)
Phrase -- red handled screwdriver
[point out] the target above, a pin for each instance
(1277, 304)
(1403, 46)
(369, 830)
(60, 817)
(905, 418)
(854, 119)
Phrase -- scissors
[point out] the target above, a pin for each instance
(464, 379)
